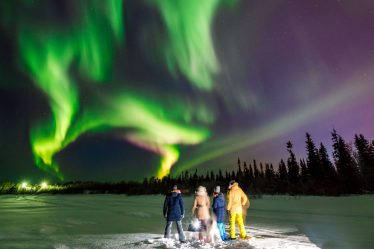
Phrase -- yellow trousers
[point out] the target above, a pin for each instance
(238, 218)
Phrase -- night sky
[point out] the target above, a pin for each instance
(121, 90)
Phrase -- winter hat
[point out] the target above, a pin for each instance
(231, 183)
(217, 189)
(201, 190)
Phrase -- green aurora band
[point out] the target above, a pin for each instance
(49, 56)
(190, 46)
(150, 124)
(59, 59)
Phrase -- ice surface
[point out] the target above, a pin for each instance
(117, 221)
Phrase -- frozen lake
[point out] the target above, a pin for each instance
(117, 221)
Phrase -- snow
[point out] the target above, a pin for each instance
(146, 240)
(117, 221)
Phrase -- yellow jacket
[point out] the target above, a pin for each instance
(236, 199)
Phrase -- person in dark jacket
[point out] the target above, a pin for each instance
(219, 211)
(174, 212)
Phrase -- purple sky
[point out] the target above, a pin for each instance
(289, 57)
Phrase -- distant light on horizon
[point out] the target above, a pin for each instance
(24, 185)
(44, 185)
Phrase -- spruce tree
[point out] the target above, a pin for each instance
(282, 176)
(313, 160)
(246, 180)
(255, 169)
(293, 167)
(329, 173)
(220, 176)
(239, 173)
(268, 179)
(251, 174)
(233, 175)
(262, 173)
(345, 164)
(246, 171)
(365, 152)
(267, 172)
(227, 176)
(212, 176)
(239, 166)
(304, 171)
(282, 172)
(272, 173)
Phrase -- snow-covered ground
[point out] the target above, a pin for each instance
(262, 239)
(117, 221)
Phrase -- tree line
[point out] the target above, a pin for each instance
(351, 171)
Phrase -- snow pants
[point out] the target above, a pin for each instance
(222, 232)
(238, 218)
(179, 228)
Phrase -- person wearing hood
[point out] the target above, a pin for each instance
(200, 210)
(236, 199)
(174, 212)
(219, 204)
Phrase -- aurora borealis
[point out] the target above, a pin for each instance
(117, 89)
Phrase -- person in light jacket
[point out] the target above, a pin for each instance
(200, 210)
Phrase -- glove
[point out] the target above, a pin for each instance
(182, 216)
(228, 212)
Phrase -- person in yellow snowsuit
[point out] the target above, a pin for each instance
(236, 199)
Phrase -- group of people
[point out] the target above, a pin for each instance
(235, 207)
